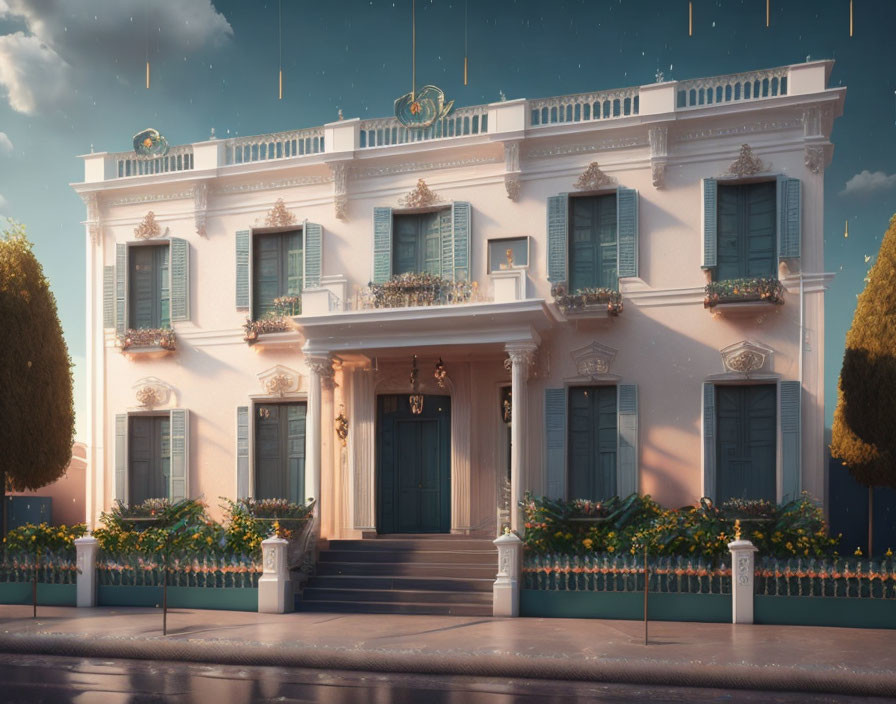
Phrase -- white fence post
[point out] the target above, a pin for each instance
(506, 589)
(85, 580)
(743, 559)
(274, 586)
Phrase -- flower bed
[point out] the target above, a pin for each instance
(585, 299)
(744, 290)
(408, 290)
(629, 525)
(163, 338)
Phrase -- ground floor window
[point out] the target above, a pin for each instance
(280, 451)
(592, 442)
(746, 459)
(149, 460)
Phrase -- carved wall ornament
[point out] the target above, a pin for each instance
(151, 392)
(91, 200)
(279, 216)
(745, 357)
(658, 174)
(659, 151)
(420, 197)
(200, 207)
(512, 184)
(511, 156)
(359, 172)
(340, 189)
(593, 359)
(322, 367)
(279, 381)
(816, 157)
(593, 178)
(746, 164)
(597, 146)
(149, 228)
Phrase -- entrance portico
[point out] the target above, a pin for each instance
(479, 344)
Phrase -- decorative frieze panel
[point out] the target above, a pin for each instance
(151, 393)
(91, 200)
(200, 207)
(659, 151)
(745, 357)
(340, 189)
(279, 381)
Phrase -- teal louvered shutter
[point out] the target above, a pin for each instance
(790, 394)
(163, 278)
(121, 288)
(446, 245)
(313, 254)
(461, 217)
(180, 454)
(431, 243)
(242, 452)
(108, 296)
(295, 452)
(243, 242)
(180, 279)
(789, 218)
(627, 231)
(290, 264)
(555, 442)
(710, 229)
(709, 439)
(382, 245)
(558, 236)
(121, 457)
(627, 451)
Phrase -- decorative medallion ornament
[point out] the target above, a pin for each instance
(148, 397)
(745, 357)
(151, 392)
(149, 142)
(279, 216)
(746, 163)
(593, 178)
(420, 196)
(149, 228)
(342, 424)
(279, 381)
(440, 373)
(278, 384)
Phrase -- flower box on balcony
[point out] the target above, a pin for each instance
(155, 342)
(271, 331)
(743, 295)
(587, 302)
(413, 290)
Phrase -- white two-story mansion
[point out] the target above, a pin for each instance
(603, 293)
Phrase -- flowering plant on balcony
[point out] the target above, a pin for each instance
(411, 289)
(271, 322)
(148, 337)
(586, 298)
(741, 290)
(288, 305)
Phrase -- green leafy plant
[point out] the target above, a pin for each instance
(43, 538)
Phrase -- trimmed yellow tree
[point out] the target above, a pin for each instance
(36, 407)
(864, 431)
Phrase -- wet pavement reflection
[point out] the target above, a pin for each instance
(34, 679)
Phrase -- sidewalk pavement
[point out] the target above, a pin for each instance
(776, 658)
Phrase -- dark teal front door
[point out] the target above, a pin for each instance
(413, 465)
(747, 441)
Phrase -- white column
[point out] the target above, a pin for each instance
(328, 495)
(521, 357)
(85, 581)
(274, 586)
(318, 367)
(362, 450)
(743, 554)
(506, 589)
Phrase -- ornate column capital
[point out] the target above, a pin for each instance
(94, 227)
(321, 366)
(520, 355)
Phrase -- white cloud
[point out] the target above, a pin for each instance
(67, 44)
(865, 183)
(5, 142)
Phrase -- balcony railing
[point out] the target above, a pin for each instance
(493, 119)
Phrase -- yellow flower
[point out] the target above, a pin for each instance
(889, 552)
(789, 545)
(587, 542)
(858, 552)
(610, 548)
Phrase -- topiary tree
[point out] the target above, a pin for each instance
(864, 431)
(36, 411)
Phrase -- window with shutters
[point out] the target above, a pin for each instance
(592, 442)
(746, 442)
(149, 295)
(280, 451)
(417, 243)
(277, 270)
(149, 457)
(746, 231)
(592, 243)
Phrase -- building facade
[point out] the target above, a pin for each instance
(581, 296)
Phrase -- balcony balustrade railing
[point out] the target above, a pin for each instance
(475, 120)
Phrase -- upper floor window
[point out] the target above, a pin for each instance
(277, 269)
(149, 292)
(417, 243)
(593, 242)
(746, 231)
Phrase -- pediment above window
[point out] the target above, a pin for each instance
(593, 361)
(280, 381)
(746, 358)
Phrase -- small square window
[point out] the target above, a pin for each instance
(508, 253)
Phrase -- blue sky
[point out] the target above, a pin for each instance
(72, 76)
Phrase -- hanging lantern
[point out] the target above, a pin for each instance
(440, 373)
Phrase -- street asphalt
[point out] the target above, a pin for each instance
(857, 662)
